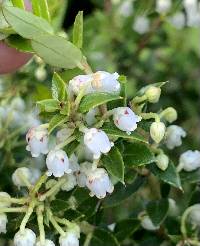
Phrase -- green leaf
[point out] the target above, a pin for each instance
(58, 88)
(19, 43)
(57, 120)
(190, 177)
(78, 30)
(59, 205)
(71, 147)
(49, 105)
(95, 99)
(57, 51)
(114, 164)
(125, 228)
(170, 175)
(102, 237)
(113, 131)
(157, 210)
(25, 23)
(122, 192)
(137, 154)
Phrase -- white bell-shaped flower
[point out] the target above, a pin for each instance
(71, 238)
(79, 83)
(81, 175)
(20, 176)
(147, 224)
(4, 204)
(25, 238)
(141, 24)
(70, 182)
(178, 20)
(163, 6)
(173, 136)
(99, 183)
(47, 243)
(125, 119)
(106, 82)
(189, 161)
(37, 139)
(3, 222)
(97, 142)
(18, 104)
(57, 163)
(157, 131)
(63, 134)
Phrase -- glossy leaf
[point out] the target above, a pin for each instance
(48, 105)
(25, 23)
(102, 237)
(190, 177)
(157, 210)
(122, 192)
(78, 30)
(113, 131)
(137, 154)
(58, 88)
(56, 121)
(95, 99)
(113, 162)
(170, 175)
(57, 51)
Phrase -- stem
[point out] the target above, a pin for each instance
(80, 96)
(66, 142)
(63, 221)
(44, 10)
(184, 218)
(104, 118)
(39, 183)
(147, 116)
(27, 216)
(139, 99)
(14, 200)
(54, 189)
(39, 211)
(88, 239)
(55, 224)
(18, 3)
(13, 210)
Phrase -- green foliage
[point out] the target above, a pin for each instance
(78, 30)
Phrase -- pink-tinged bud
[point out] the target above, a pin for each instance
(125, 119)
(37, 139)
(97, 142)
(98, 182)
(57, 163)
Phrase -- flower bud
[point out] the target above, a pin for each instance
(162, 161)
(47, 243)
(125, 119)
(20, 176)
(25, 238)
(57, 163)
(195, 215)
(189, 161)
(98, 182)
(3, 222)
(81, 175)
(141, 24)
(173, 208)
(4, 204)
(71, 238)
(97, 142)
(147, 224)
(173, 136)
(170, 114)
(153, 94)
(41, 73)
(157, 131)
(35, 174)
(37, 139)
(90, 117)
(70, 182)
